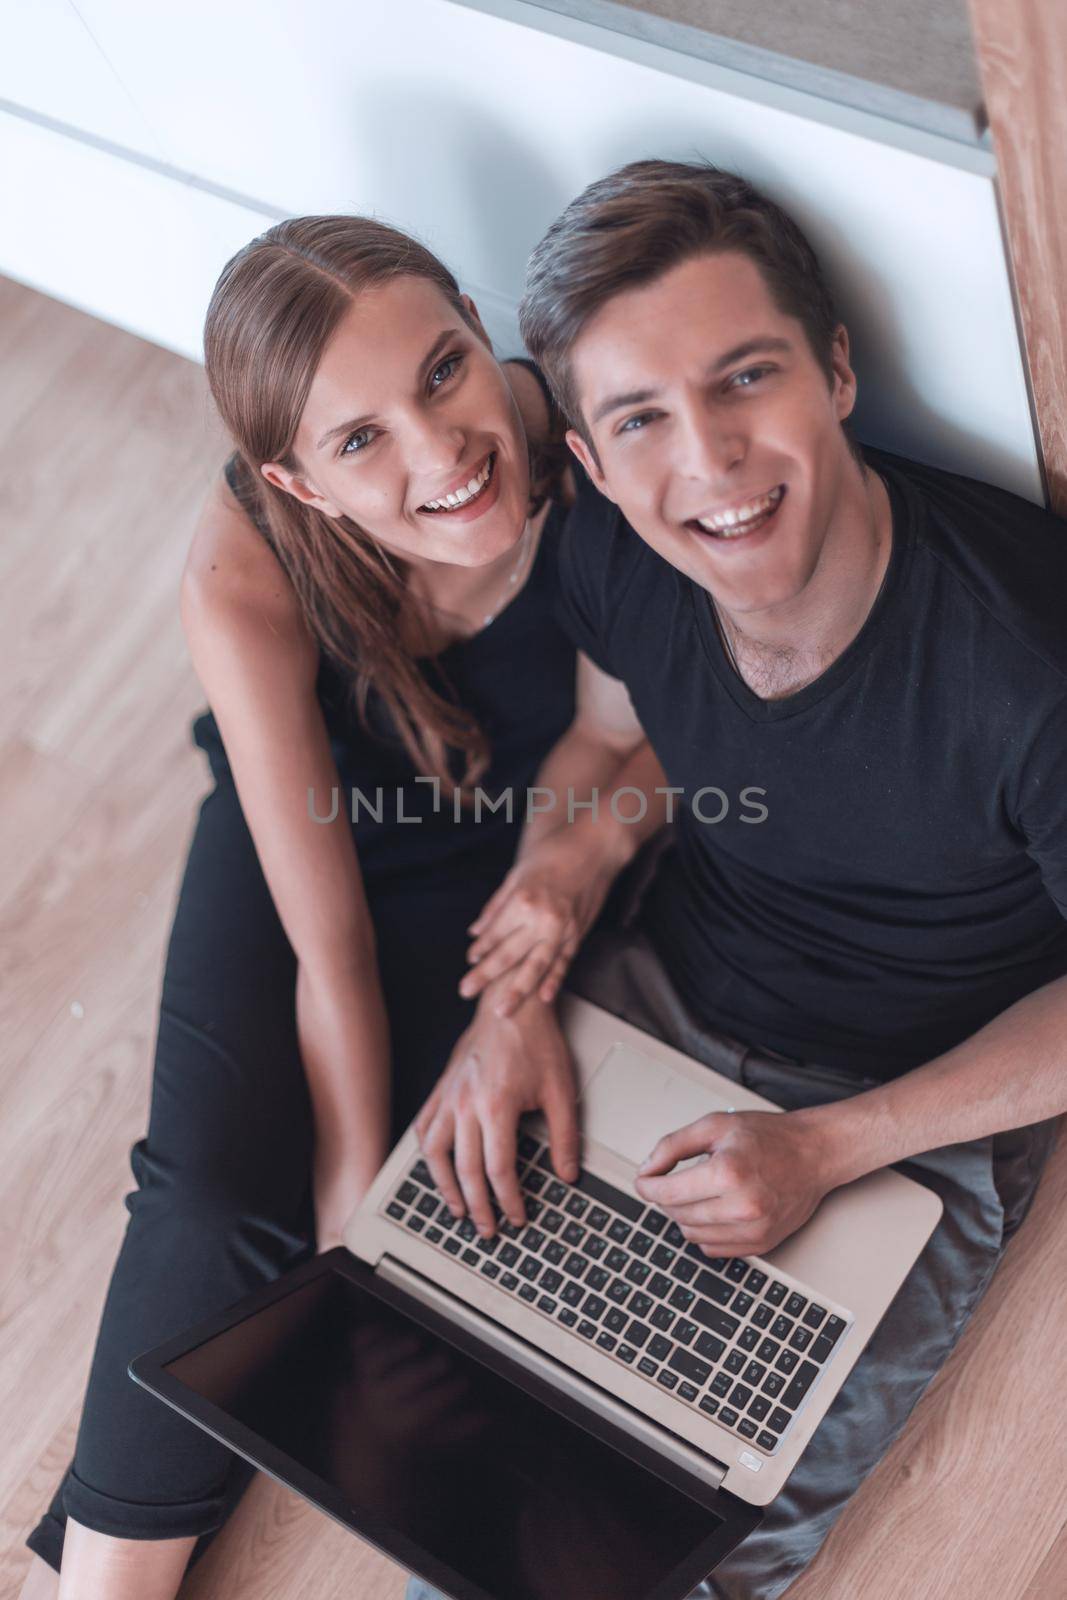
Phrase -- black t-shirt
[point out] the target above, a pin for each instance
(909, 879)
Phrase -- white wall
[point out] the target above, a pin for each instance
(474, 130)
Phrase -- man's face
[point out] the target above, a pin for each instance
(717, 432)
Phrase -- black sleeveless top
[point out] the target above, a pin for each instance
(516, 676)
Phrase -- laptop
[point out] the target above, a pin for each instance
(583, 1405)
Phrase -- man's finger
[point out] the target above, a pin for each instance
(694, 1139)
(560, 1107)
(470, 1170)
(501, 1163)
(703, 1180)
(436, 1147)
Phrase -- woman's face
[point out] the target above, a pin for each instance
(410, 429)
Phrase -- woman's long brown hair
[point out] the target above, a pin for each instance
(271, 316)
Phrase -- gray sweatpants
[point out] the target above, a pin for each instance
(986, 1186)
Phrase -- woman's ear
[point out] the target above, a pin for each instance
(589, 460)
(293, 483)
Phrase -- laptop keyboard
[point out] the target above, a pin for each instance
(724, 1336)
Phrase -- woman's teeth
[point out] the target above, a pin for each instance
(470, 490)
(742, 519)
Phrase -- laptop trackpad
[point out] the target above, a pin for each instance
(632, 1100)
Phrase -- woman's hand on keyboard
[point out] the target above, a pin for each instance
(499, 1068)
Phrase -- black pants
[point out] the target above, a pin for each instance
(223, 1200)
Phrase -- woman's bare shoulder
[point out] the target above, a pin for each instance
(230, 565)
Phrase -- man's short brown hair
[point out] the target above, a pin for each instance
(629, 228)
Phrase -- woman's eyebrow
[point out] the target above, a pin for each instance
(440, 343)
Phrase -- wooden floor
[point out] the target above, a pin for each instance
(105, 451)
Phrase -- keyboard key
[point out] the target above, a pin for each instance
(407, 1192)
(551, 1221)
(662, 1318)
(528, 1146)
(490, 1269)
(606, 1195)
(509, 1281)
(779, 1420)
(638, 1271)
(528, 1292)
(688, 1391)
(654, 1222)
(781, 1328)
(833, 1329)
(427, 1205)
(533, 1239)
(551, 1280)
(728, 1416)
(684, 1269)
(684, 1331)
(641, 1304)
(395, 1210)
(759, 1407)
(674, 1235)
(421, 1173)
(605, 1342)
(690, 1366)
(742, 1303)
(415, 1222)
(619, 1231)
(754, 1372)
(736, 1270)
(596, 1278)
(755, 1281)
(763, 1314)
(712, 1317)
(813, 1315)
(709, 1405)
(567, 1316)
(626, 1352)
(547, 1305)
(598, 1218)
(534, 1181)
(735, 1362)
(573, 1294)
(619, 1292)
(776, 1293)
(668, 1379)
(800, 1383)
(576, 1206)
(554, 1251)
(773, 1384)
(453, 1246)
(556, 1193)
(662, 1257)
(587, 1329)
(638, 1334)
(467, 1229)
(787, 1361)
(616, 1319)
(530, 1267)
(487, 1246)
(575, 1264)
(747, 1428)
(766, 1441)
(715, 1288)
(681, 1298)
(748, 1338)
(721, 1384)
(647, 1367)
(434, 1235)
(640, 1244)
(595, 1245)
(709, 1346)
(740, 1396)
(801, 1338)
(768, 1350)
(659, 1285)
(795, 1304)
(821, 1348)
(594, 1307)
(573, 1234)
(660, 1348)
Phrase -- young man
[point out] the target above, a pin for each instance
(853, 670)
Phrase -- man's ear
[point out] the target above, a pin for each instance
(479, 326)
(589, 460)
(844, 385)
(292, 483)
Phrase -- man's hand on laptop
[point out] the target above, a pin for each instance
(762, 1176)
(499, 1068)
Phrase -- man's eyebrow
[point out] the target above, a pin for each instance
(766, 344)
(439, 344)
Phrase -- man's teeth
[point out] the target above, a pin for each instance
(738, 520)
(459, 497)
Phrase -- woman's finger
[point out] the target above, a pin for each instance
(492, 905)
(550, 987)
(507, 954)
(524, 981)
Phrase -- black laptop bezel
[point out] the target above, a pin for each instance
(738, 1518)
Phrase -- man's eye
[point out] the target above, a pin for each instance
(636, 424)
(357, 441)
(445, 371)
(745, 380)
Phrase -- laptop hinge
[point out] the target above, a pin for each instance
(677, 1451)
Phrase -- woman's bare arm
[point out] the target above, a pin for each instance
(257, 662)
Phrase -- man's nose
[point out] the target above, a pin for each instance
(710, 446)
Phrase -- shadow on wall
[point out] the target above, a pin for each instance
(493, 196)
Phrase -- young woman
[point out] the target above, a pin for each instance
(368, 605)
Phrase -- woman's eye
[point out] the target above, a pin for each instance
(356, 442)
(445, 371)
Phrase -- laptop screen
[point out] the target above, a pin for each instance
(428, 1450)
